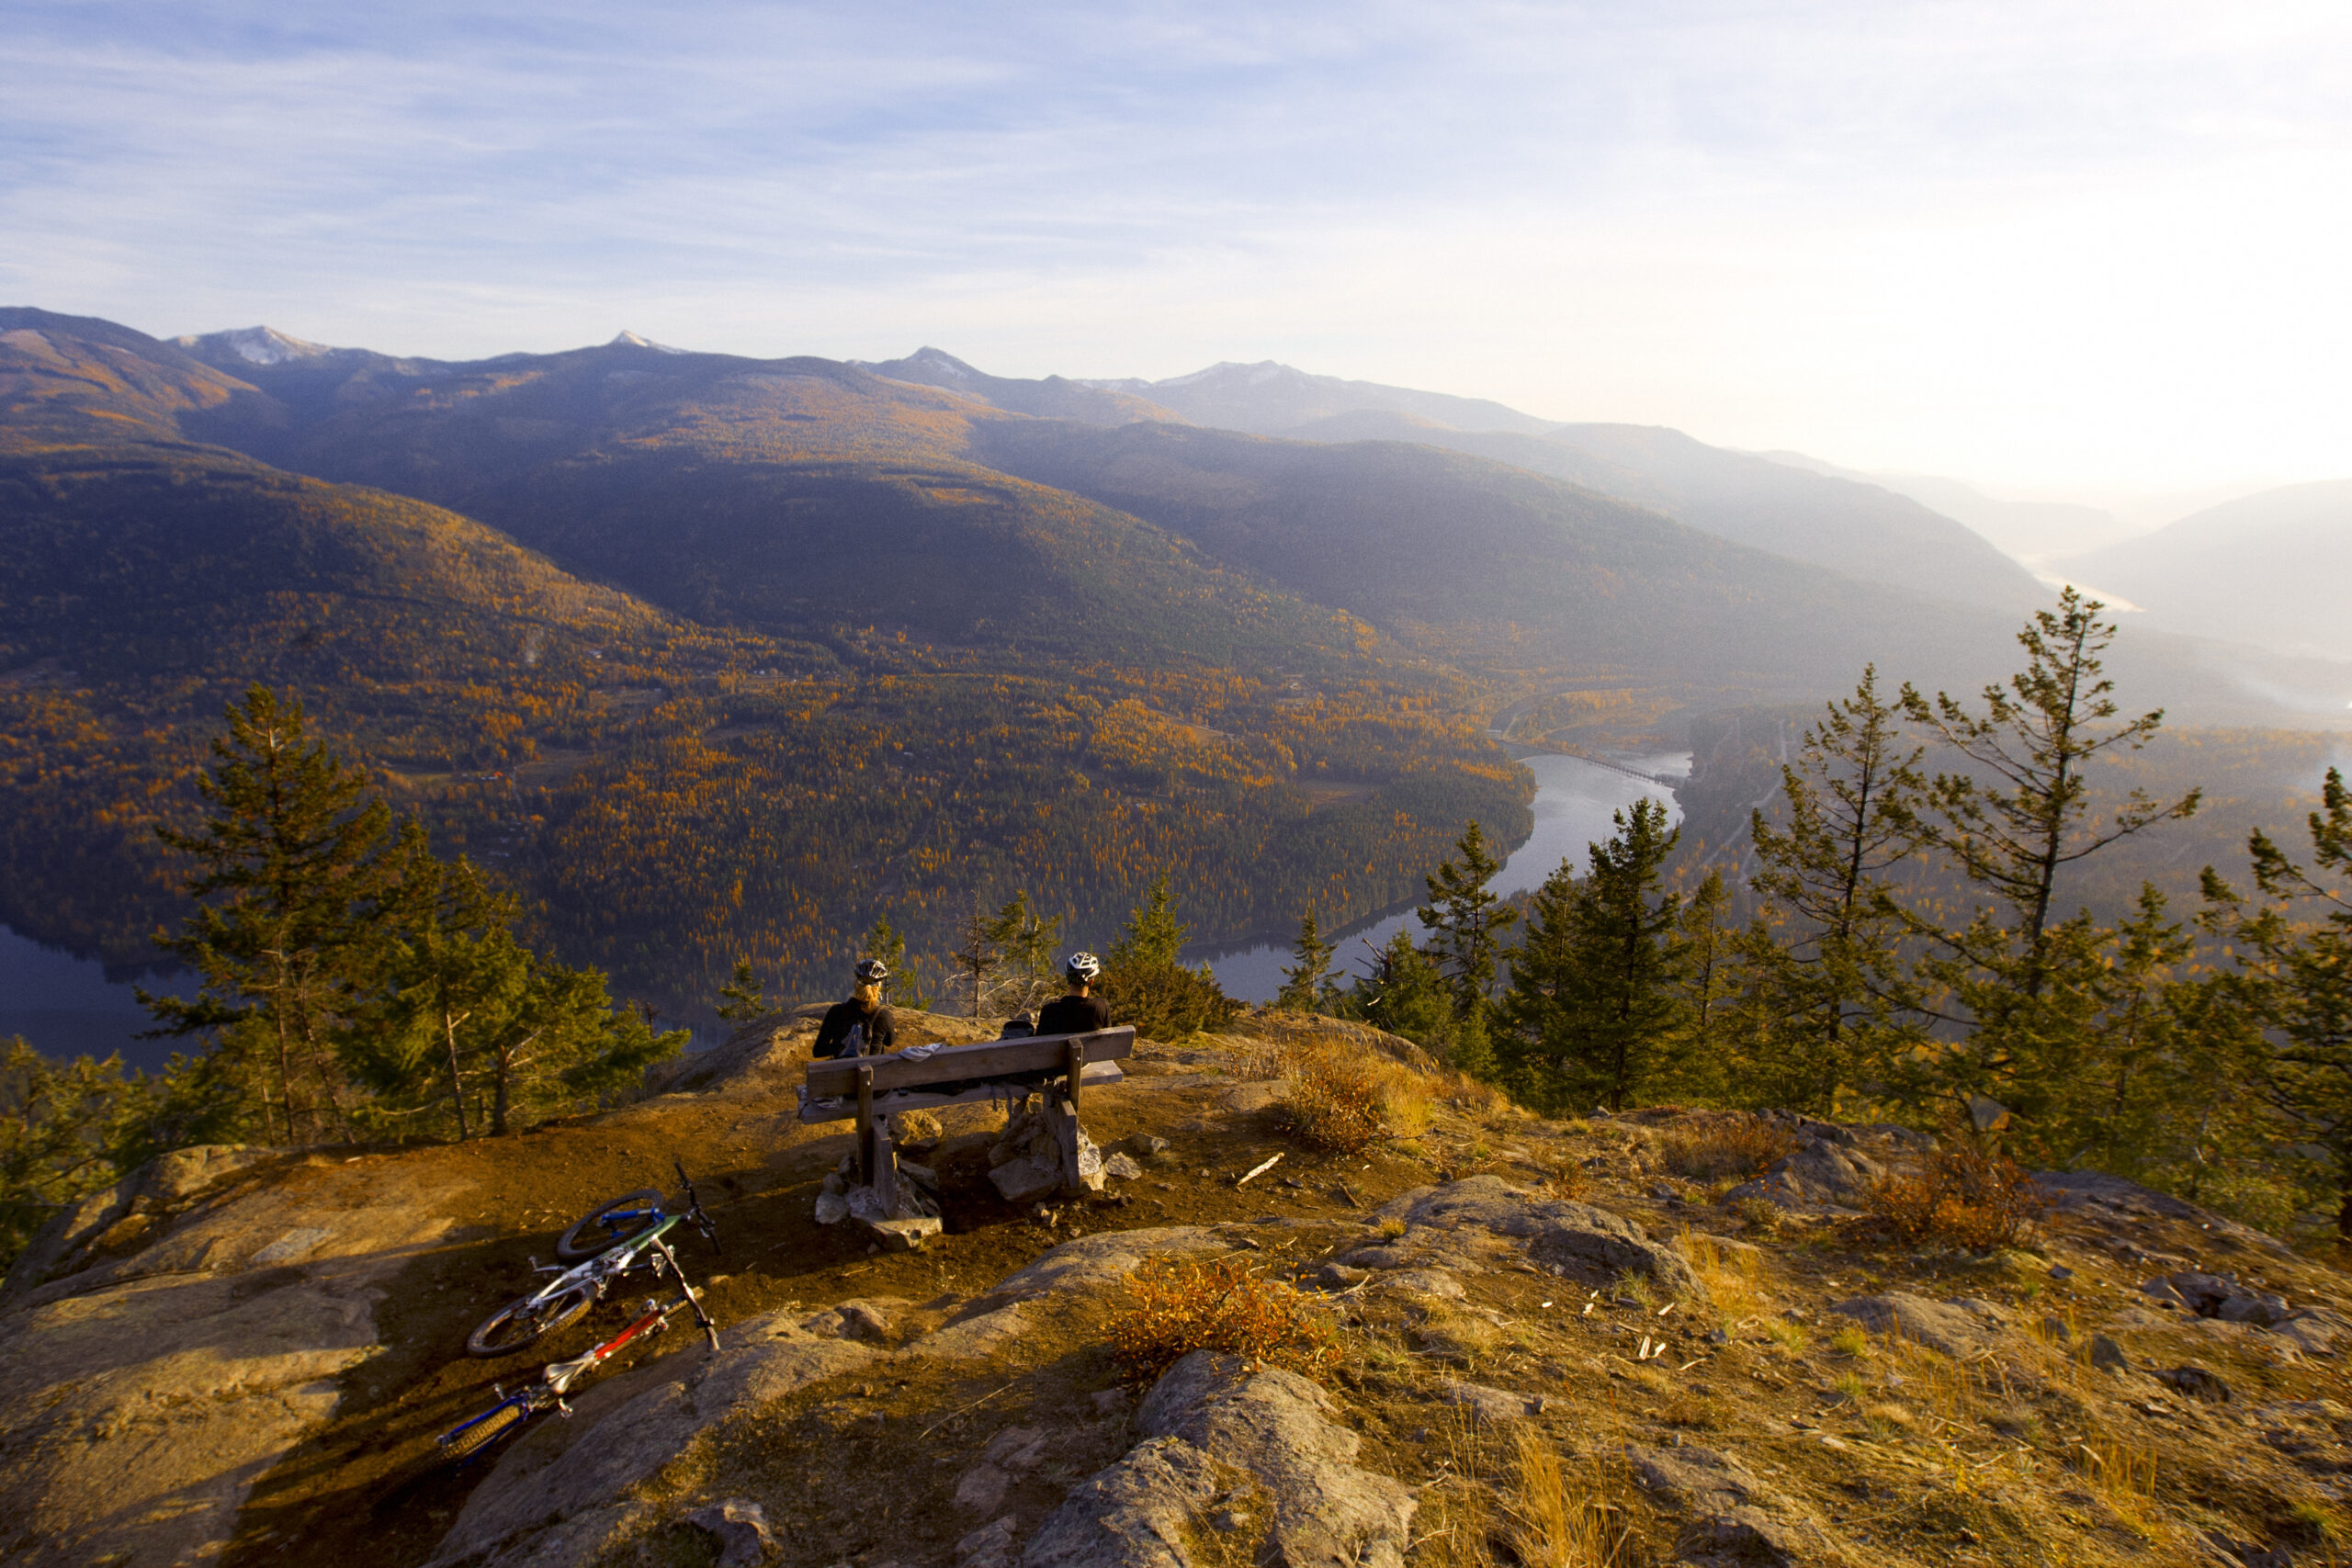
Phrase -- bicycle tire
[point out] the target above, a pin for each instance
(583, 1241)
(470, 1440)
(528, 1318)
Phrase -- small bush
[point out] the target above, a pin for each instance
(1339, 1095)
(1965, 1195)
(1180, 1305)
(1334, 1103)
(1734, 1145)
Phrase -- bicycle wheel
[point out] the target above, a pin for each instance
(467, 1442)
(608, 1224)
(518, 1323)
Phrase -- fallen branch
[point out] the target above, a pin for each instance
(1260, 1170)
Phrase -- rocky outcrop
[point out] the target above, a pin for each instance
(1473, 1221)
(1248, 1452)
(152, 1385)
(2112, 1199)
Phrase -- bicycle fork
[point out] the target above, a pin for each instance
(693, 1297)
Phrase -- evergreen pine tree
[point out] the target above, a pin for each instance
(451, 978)
(290, 852)
(1144, 984)
(1827, 992)
(1465, 921)
(743, 998)
(2299, 972)
(1152, 934)
(2023, 981)
(1307, 983)
(1703, 957)
(1595, 1007)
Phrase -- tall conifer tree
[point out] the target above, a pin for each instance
(291, 851)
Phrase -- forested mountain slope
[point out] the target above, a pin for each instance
(670, 791)
(1857, 529)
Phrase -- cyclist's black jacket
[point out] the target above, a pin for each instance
(877, 1030)
(1073, 1015)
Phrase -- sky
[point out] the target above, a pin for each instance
(2057, 248)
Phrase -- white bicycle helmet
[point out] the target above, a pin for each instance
(1082, 966)
(872, 971)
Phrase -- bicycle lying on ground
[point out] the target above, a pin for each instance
(563, 1300)
(470, 1436)
(621, 1219)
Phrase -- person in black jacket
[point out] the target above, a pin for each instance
(861, 1026)
(1080, 1012)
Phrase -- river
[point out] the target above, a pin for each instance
(66, 1007)
(1574, 798)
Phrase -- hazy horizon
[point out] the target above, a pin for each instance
(2053, 251)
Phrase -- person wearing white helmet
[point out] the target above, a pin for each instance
(1081, 1011)
(861, 1026)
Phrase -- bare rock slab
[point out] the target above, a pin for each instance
(528, 1506)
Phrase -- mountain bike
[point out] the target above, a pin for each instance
(563, 1300)
(621, 1219)
(469, 1438)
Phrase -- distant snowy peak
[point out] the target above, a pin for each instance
(255, 345)
(630, 340)
(925, 367)
(1255, 374)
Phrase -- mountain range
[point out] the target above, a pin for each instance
(715, 655)
(2270, 568)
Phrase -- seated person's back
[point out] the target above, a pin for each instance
(1080, 1012)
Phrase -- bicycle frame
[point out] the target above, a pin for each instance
(556, 1379)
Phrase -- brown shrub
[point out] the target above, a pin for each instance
(1180, 1305)
(1965, 1195)
(1732, 1144)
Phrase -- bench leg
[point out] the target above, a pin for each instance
(1069, 1141)
(866, 1126)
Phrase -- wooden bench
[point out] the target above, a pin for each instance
(872, 1088)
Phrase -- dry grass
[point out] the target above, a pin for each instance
(1733, 1276)
(1965, 1195)
(1735, 1144)
(1506, 1495)
(1181, 1304)
(1572, 1517)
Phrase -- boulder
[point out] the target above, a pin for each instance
(1452, 1221)
(1732, 1516)
(2197, 1382)
(1484, 1403)
(2111, 1198)
(1212, 1425)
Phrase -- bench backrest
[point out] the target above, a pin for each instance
(834, 1077)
